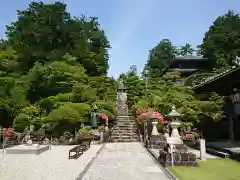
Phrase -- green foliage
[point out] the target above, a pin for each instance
(185, 50)
(160, 58)
(106, 106)
(56, 62)
(84, 93)
(221, 42)
(20, 122)
(28, 116)
(47, 32)
(52, 78)
(163, 93)
(135, 86)
(105, 87)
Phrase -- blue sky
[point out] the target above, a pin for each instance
(133, 27)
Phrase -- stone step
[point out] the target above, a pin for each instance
(126, 118)
(123, 121)
(123, 125)
(126, 129)
(126, 126)
(124, 137)
(124, 140)
(124, 133)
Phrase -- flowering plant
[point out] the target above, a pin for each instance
(7, 132)
(147, 114)
(188, 137)
(104, 117)
(156, 115)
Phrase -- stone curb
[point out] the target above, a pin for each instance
(166, 170)
(81, 175)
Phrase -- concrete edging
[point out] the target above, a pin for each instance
(166, 170)
(89, 164)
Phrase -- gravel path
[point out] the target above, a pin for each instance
(50, 165)
(122, 161)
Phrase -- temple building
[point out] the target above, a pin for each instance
(189, 64)
(227, 84)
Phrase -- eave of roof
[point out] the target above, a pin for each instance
(182, 70)
(218, 76)
(190, 57)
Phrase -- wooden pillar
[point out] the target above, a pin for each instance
(231, 116)
(231, 128)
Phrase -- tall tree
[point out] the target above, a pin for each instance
(133, 70)
(186, 50)
(160, 58)
(222, 41)
(45, 32)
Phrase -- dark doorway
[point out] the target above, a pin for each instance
(236, 128)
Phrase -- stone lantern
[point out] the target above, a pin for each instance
(175, 124)
(94, 116)
(154, 123)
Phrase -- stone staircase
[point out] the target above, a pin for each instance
(124, 130)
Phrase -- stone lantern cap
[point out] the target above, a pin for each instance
(174, 113)
(94, 107)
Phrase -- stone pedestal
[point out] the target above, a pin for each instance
(175, 137)
(154, 130)
(175, 125)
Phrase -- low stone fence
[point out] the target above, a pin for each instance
(177, 158)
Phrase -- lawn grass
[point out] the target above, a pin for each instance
(211, 169)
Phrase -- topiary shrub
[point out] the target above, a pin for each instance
(20, 122)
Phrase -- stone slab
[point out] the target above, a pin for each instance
(27, 149)
(120, 161)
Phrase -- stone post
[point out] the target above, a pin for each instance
(202, 149)
(101, 137)
(106, 125)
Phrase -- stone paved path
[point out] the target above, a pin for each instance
(122, 161)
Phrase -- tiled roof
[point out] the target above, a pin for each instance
(182, 70)
(189, 57)
(215, 77)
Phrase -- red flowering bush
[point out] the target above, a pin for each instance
(146, 114)
(7, 132)
(103, 116)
